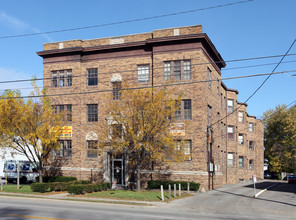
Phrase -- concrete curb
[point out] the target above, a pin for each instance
(264, 190)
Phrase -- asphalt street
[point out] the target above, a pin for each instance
(228, 202)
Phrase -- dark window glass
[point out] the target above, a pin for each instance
(92, 77)
(116, 90)
(92, 112)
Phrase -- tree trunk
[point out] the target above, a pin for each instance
(138, 180)
(40, 176)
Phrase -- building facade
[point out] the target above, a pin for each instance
(225, 144)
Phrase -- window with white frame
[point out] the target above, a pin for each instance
(230, 132)
(230, 161)
(143, 73)
(230, 105)
(241, 138)
(241, 116)
(251, 127)
(178, 70)
(187, 148)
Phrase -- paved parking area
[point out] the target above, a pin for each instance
(238, 201)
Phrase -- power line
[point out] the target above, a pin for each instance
(155, 68)
(269, 75)
(126, 21)
(154, 86)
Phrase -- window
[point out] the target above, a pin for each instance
(92, 77)
(209, 115)
(92, 112)
(230, 105)
(187, 148)
(218, 86)
(241, 161)
(116, 90)
(143, 73)
(240, 116)
(69, 112)
(251, 164)
(179, 69)
(183, 110)
(230, 132)
(230, 159)
(251, 127)
(92, 149)
(251, 145)
(61, 78)
(61, 108)
(241, 138)
(65, 149)
(209, 77)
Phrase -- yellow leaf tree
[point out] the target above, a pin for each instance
(139, 125)
(30, 127)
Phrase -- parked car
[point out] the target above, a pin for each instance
(267, 176)
(27, 172)
(291, 178)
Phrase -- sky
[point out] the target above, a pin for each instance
(252, 29)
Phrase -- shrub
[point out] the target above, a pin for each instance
(76, 189)
(82, 182)
(40, 187)
(51, 179)
(155, 184)
(104, 186)
(59, 186)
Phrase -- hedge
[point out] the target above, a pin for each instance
(59, 186)
(40, 187)
(86, 188)
(155, 184)
(82, 182)
(76, 189)
(51, 179)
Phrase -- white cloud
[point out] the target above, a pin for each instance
(18, 25)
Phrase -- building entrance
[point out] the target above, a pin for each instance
(118, 171)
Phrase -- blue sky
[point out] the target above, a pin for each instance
(253, 29)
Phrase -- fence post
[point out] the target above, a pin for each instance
(1, 183)
(179, 189)
(188, 186)
(18, 176)
(174, 190)
(170, 191)
(162, 195)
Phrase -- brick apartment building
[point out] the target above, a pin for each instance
(75, 70)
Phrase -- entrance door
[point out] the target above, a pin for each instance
(118, 170)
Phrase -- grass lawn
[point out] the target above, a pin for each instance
(13, 188)
(152, 196)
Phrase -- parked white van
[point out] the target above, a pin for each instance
(27, 172)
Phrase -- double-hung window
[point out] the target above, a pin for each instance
(184, 110)
(116, 90)
(62, 108)
(241, 161)
(251, 145)
(209, 77)
(230, 132)
(230, 161)
(177, 70)
(251, 127)
(92, 77)
(143, 73)
(240, 138)
(241, 116)
(64, 149)
(92, 112)
(92, 149)
(230, 105)
(251, 164)
(186, 146)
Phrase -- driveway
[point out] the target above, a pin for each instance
(238, 201)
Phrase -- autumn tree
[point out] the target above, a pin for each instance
(30, 127)
(139, 125)
(280, 139)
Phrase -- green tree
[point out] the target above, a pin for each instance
(139, 125)
(280, 139)
(30, 127)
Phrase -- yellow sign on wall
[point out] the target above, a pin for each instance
(66, 131)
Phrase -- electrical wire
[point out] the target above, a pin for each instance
(126, 21)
